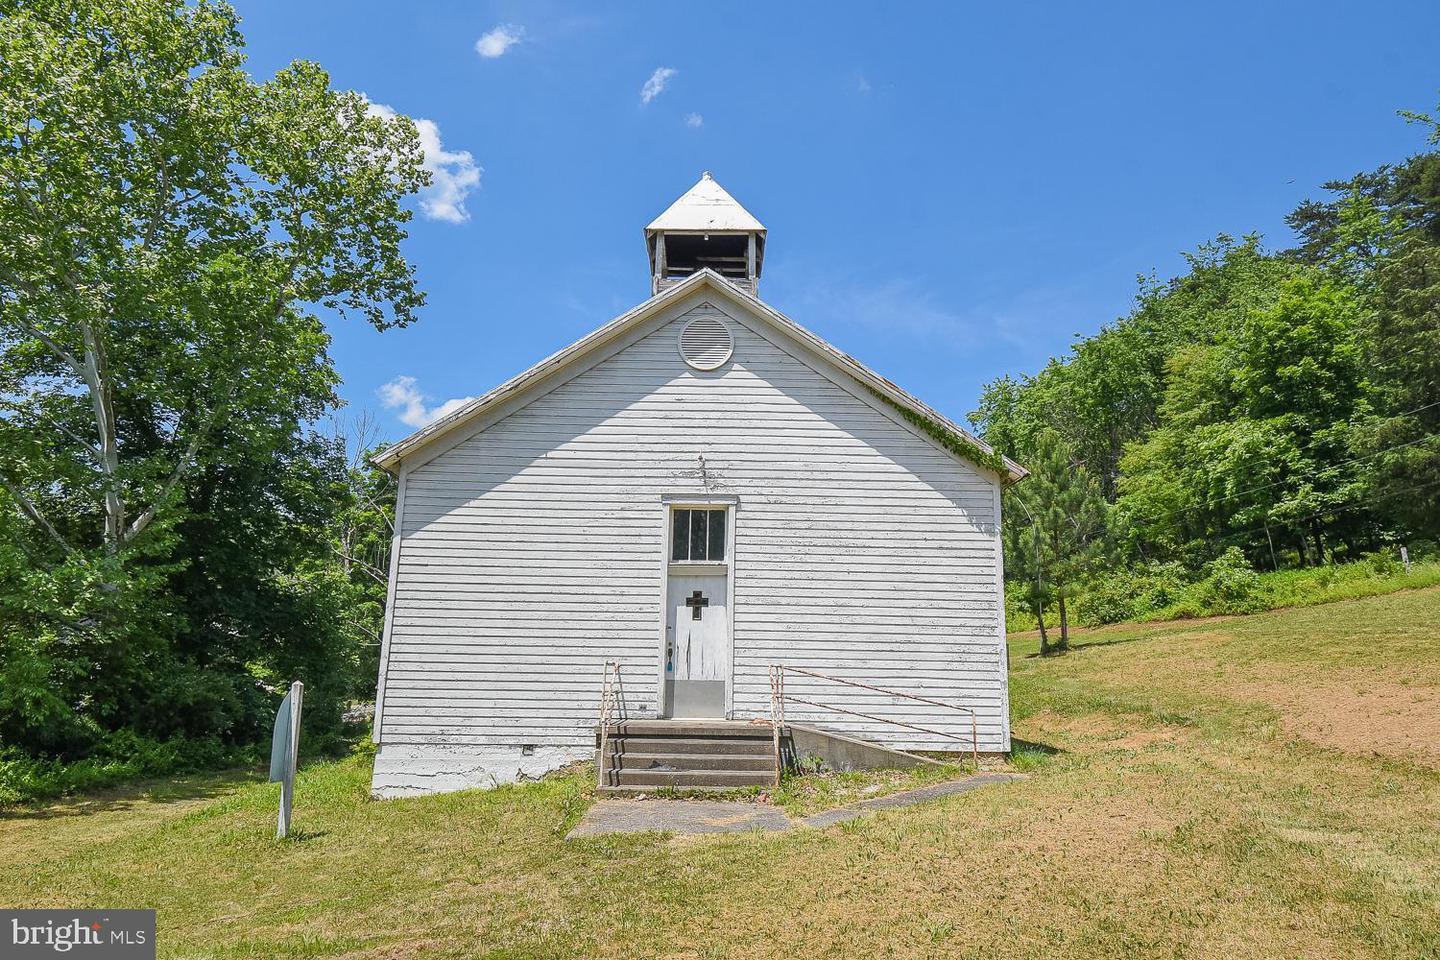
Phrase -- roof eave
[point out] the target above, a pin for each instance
(651, 231)
(390, 458)
(1013, 472)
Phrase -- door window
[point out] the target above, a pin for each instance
(697, 535)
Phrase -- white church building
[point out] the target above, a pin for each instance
(699, 491)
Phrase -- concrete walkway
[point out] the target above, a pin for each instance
(907, 798)
(729, 816)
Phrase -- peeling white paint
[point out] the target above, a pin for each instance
(412, 770)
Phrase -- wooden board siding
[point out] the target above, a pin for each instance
(530, 552)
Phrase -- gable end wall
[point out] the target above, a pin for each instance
(529, 553)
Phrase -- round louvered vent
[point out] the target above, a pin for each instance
(706, 343)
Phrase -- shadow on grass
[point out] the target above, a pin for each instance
(176, 789)
(1032, 746)
(1083, 643)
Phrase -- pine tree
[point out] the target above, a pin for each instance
(1055, 530)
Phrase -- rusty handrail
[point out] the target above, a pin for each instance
(778, 671)
(777, 713)
(609, 695)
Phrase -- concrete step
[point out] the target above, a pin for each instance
(693, 761)
(688, 754)
(697, 779)
(623, 791)
(730, 746)
(690, 728)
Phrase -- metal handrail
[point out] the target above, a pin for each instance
(777, 712)
(609, 700)
(779, 696)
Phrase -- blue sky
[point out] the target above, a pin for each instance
(952, 191)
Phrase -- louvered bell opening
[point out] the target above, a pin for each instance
(706, 343)
(725, 253)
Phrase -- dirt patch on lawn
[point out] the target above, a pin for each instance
(1364, 710)
(1106, 732)
(1364, 715)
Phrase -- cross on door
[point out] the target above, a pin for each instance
(695, 601)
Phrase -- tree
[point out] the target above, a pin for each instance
(1254, 441)
(361, 536)
(173, 229)
(1381, 234)
(1285, 405)
(168, 223)
(1054, 529)
(1108, 391)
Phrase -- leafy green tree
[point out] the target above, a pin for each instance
(1255, 431)
(1108, 391)
(1283, 405)
(1381, 233)
(1054, 530)
(172, 229)
(361, 536)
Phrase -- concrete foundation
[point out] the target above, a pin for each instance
(405, 770)
(410, 770)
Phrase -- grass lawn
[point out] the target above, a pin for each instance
(1266, 786)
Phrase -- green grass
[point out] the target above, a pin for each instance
(1351, 581)
(1278, 590)
(1264, 786)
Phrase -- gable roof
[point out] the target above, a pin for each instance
(706, 206)
(942, 430)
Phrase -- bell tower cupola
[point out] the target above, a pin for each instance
(705, 228)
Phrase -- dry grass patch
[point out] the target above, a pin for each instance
(1362, 676)
(1358, 712)
(1095, 732)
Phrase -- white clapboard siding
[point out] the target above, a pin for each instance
(530, 553)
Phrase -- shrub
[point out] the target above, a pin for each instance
(1383, 563)
(1230, 585)
(1133, 594)
(120, 756)
(1165, 591)
(1111, 600)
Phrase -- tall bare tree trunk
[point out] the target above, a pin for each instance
(108, 447)
(1044, 637)
(1064, 643)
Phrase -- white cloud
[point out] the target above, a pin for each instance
(862, 83)
(656, 84)
(454, 173)
(402, 395)
(494, 43)
(694, 120)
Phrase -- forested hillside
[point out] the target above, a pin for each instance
(1266, 409)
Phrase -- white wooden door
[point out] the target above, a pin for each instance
(697, 644)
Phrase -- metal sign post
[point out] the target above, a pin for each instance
(284, 748)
